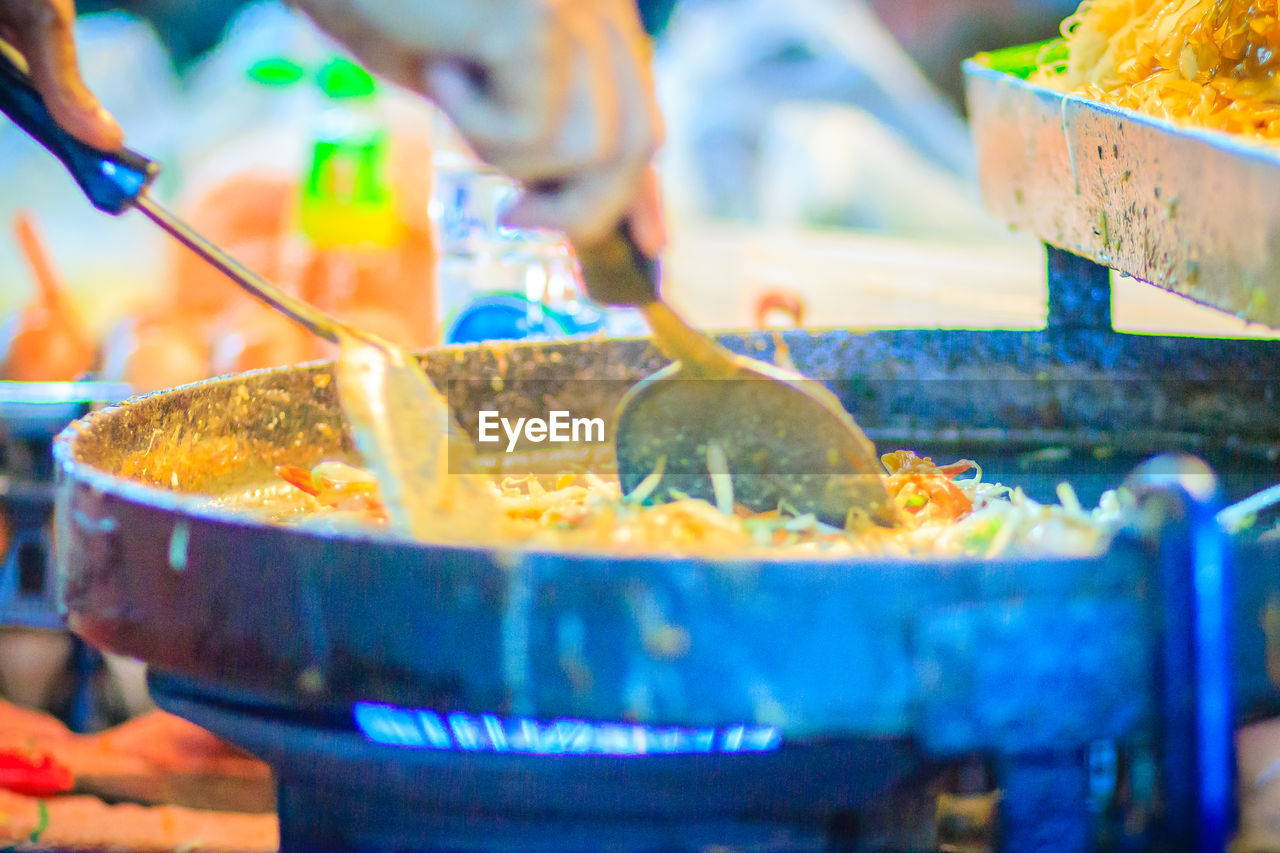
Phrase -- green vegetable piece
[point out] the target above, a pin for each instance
(983, 534)
(42, 821)
(1024, 60)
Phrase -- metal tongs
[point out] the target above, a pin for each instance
(400, 423)
(726, 428)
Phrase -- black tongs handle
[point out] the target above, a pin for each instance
(112, 180)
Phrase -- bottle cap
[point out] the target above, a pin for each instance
(341, 78)
(277, 71)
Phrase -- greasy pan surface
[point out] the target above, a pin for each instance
(287, 615)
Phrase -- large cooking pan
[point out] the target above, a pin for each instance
(150, 570)
(1017, 656)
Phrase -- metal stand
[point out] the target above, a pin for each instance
(31, 415)
(28, 588)
(1066, 802)
(1079, 292)
(1195, 619)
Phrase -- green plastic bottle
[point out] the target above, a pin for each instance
(347, 198)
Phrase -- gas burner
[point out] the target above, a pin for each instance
(374, 777)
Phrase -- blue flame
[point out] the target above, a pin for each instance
(425, 729)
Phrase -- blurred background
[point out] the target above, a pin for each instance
(805, 138)
(818, 171)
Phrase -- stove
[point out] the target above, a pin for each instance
(415, 697)
(31, 415)
(386, 778)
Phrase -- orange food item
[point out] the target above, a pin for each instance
(253, 336)
(44, 349)
(87, 823)
(153, 758)
(1208, 63)
(166, 742)
(390, 292)
(248, 215)
(921, 488)
(393, 289)
(298, 477)
(154, 353)
(49, 342)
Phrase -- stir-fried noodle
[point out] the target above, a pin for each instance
(1208, 63)
(944, 510)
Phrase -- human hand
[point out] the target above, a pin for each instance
(557, 94)
(42, 31)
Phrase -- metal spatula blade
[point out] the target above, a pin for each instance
(781, 444)
(776, 437)
(401, 425)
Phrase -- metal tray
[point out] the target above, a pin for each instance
(1192, 211)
